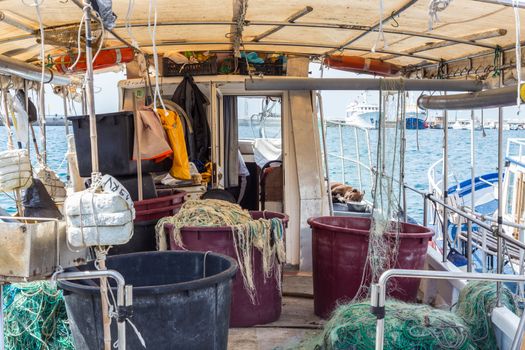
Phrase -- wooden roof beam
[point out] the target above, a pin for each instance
(492, 33)
(290, 19)
(375, 26)
(292, 44)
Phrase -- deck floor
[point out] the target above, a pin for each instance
(296, 327)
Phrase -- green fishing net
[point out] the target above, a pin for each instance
(407, 326)
(418, 326)
(35, 317)
(475, 304)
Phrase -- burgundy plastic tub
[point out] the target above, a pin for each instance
(340, 248)
(244, 313)
(168, 204)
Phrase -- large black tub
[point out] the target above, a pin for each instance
(174, 307)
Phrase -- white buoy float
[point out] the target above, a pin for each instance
(15, 170)
(100, 216)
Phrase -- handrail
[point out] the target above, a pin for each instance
(124, 297)
(378, 295)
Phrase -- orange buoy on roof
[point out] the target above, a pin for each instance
(358, 64)
(105, 59)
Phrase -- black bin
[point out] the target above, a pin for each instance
(143, 239)
(115, 139)
(174, 306)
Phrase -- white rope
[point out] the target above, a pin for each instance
(435, 6)
(127, 23)
(517, 23)
(153, 35)
(380, 34)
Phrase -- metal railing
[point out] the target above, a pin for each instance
(358, 162)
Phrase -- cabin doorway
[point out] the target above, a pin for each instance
(252, 139)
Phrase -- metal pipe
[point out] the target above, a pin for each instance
(290, 19)
(491, 98)
(425, 211)
(469, 246)
(302, 24)
(7, 19)
(90, 95)
(122, 299)
(290, 44)
(11, 66)
(377, 302)
(492, 33)
(342, 152)
(461, 213)
(501, 164)
(269, 84)
(510, 3)
(445, 185)
(117, 36)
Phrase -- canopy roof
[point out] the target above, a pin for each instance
(466, 27)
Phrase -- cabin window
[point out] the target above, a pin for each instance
(259, 117)
(510, 193)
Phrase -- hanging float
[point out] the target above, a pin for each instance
(356, 64)
(105, 59)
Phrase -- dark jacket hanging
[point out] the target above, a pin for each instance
(188, 96)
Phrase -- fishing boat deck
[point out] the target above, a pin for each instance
(297, 325)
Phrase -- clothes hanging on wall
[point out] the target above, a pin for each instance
(194, 102)
(172, 123)
(153, 142)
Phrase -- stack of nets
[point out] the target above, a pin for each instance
(265, 235)
(475, 304)
(407, 326)
(418, 326)
(35, 318)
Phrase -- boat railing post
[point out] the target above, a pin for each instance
(378, 294)
(342, 153)
(425, 210)
(377, 308)
(469, 245)
(445, 185)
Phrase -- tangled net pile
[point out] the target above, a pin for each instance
(35, 317)
(418, 326)
(407, 326)
(266, 235)
(475, 304)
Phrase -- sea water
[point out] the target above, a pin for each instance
(417, 159)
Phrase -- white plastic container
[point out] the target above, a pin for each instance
(15, 170)
(99, 216)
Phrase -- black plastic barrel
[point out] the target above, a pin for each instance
(143, 239)
(181, 300)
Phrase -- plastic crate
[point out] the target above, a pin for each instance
(160, 202)
(172, 69)
(275, 69)
(156, 214)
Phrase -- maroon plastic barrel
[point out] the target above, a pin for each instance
(244, 313)
(339, 253)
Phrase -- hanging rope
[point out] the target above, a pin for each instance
(380, 34)
(517, 25)
(435, 6)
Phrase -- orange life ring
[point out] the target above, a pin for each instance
(105, 59)
(358, 64)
